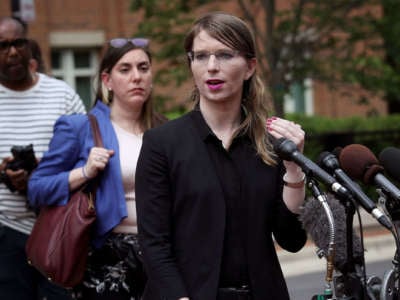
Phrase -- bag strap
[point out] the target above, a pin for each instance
(98, 142)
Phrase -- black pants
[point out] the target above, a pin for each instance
(18, 280)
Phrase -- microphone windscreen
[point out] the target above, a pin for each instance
(315, 222)
(359, 163)
(390, 159)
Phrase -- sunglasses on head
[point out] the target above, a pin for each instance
(121, 42)
(17, 43)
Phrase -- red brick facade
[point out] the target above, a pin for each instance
(114, 18)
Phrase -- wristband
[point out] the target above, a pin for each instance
(294, 185)
(84, 174)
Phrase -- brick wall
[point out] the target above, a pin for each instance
(114, 18)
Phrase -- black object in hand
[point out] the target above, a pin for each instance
(24, 158)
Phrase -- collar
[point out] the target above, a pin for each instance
(205, 131)
(200, 124)
(101, 109)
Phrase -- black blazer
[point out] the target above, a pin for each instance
(181, 218)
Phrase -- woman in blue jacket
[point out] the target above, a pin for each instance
(124, 111)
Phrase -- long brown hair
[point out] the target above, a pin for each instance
(149, 118)
(234, 33)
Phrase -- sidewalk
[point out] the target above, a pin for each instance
(379, 245)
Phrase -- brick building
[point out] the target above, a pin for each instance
(72, 33)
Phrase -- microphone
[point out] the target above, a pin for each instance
(389, 158)
(330, 163)
(287, 150)
(360, 163)
(316, 223)
(336, 151)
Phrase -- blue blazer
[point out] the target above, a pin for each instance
(69, 149)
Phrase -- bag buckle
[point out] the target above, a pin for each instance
(90, 201)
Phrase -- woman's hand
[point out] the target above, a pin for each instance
(279, 128)
(294, 191)
(97, 161)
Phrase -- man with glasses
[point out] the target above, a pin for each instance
(30, 103)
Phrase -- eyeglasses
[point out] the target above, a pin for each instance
(225, 56)
(17, 43)
(121, 42)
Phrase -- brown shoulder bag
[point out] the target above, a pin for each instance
(59, 243)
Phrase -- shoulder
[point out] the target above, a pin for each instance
(171, 132)
(47, 82)
(75, 122)
(60, 92)
(158, 119)
(178, 125)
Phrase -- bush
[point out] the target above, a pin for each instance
(324, 134)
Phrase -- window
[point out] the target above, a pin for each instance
(300, 99)
(76, 67)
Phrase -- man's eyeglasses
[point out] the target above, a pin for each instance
(225, 56)
(121, 42)
(17, 43)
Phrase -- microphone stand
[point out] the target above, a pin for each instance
(391, 278)
(351, 285)
(321, 197)
(348, 286)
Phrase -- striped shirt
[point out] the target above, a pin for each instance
(27, 117)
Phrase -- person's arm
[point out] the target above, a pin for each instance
(288, 230)
(294, 178)
(287, 227)
(96, 162)
(15, 180)
(49, 182)
(155, 219)
(294, 189)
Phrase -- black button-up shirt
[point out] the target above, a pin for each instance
(229, 164)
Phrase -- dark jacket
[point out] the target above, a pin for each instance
(181, 218)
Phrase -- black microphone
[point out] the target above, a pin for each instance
(287, 150)
(336, 151)
(329, 162)
(390, 158)
(360, 163)
(316, 223)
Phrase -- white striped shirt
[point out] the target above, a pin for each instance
(27, 117)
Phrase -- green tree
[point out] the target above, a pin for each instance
(388, 28)
(337, 41)
(166, 23)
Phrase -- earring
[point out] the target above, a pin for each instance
(110, 89)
